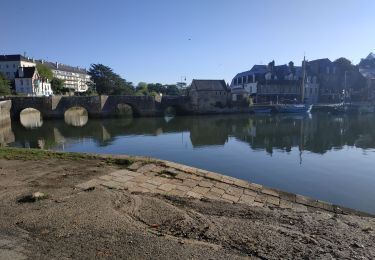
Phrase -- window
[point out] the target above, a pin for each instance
(21, 82)
(14, 66)
(7, 66)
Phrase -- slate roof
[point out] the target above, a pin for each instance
(209, 85)
(368, 73)
(371, 56)
(28, 72)
(62, 67)
(14, 57)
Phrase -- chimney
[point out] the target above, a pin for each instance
(20, 72)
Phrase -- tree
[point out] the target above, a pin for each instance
(344, 64)
(109, 83)
(44, 71)
(57, 86)
(4, 86)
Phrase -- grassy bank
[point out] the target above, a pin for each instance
(23, 154)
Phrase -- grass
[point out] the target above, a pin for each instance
(37, 155)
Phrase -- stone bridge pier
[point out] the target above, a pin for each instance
(97, 106)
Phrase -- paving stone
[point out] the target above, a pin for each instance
(247, 199)
(117, 173)
(182, 176)
(134, 174)
(167, 187)
(194, 195)
(287, 196)
(141, 179)
(234, 191)
(154, 181)
(214, 176)
(138, 189)
(270, 192)
(257, 204)
(299, 208)
(112, 185)
(183, 188)
(200, 190)
(106, 177)
(254, 186)
(261, 198)
(250, 192)
(146, 168)
(228, 180)
(217, 190)
(273, 200)
(179, 193)
(206, 184)
(222, 185)
(195, 177)
(212, 195)
(241, 183)
(285, 204)
(128, 184)
(123, 178)
(149, 186)
(190, 183)
(306, 201)
(230, 197)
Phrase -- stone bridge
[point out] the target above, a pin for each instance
(99, 106)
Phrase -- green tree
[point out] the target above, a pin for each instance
(57, 86)
(4, 86)
(44, 71)
(343, 64)
(109, 83)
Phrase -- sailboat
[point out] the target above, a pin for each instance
(296, 108)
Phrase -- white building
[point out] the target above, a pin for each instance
(74, 77)
(9, 64)
(28, 82)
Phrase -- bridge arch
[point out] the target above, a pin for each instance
(76, 116)
(125, 109)
(30, 117)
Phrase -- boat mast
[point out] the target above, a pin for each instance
(303, 80)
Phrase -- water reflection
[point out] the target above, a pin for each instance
(317, 134)
(76, 116)
(31, 118)
(6, 133)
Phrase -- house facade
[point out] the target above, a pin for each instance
(9, 64)
(274, 84)
(28, 82)
(208, 95)
(367, 70)
(75, 78)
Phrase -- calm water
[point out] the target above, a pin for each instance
(327, 157)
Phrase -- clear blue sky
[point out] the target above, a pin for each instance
(148, 40)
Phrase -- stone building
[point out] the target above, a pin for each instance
(367, 70)
(274, 84)
(28, 82)
(208, 95)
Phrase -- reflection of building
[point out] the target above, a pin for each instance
(208, 95)
(6, 133)
(28, 81)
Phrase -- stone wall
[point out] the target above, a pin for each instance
(5, 107)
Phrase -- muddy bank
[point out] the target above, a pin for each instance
(105, 222)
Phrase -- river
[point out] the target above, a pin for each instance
(327, 157)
